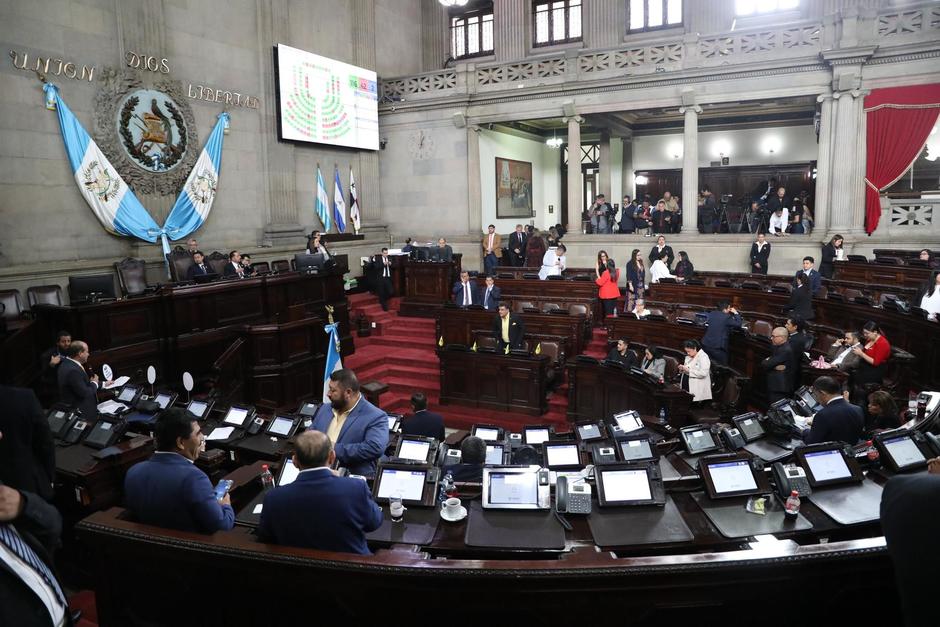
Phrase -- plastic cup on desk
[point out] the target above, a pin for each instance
(396, 508)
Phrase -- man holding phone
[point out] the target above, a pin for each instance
(167, 490)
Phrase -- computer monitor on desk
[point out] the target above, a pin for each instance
(91, 288)
(516, 487)
(310, 263)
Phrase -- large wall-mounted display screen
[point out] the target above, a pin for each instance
(325, 101)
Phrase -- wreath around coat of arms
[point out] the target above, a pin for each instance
(203, 186)
(99, 181)
(158, 148)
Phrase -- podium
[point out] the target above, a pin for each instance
(494, 381)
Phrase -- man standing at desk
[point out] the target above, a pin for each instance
(517, 242)
(76, 389)
(492, 249)
(720, 323)
(383, 278)
(357, 428)
(490, 295)
(508, 329)
(319, 510)
(838, 419)
(52, 357)
(779, 366)
(168, 490)
(811, 275)
(465, 291)
(443, 252)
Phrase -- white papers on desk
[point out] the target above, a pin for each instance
(116, 383)
(257, 509)
(111, 407)
(220, 433)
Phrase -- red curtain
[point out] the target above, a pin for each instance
(899, 119)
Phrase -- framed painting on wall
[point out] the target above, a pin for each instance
(513, 188)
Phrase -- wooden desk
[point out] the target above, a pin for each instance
(85, 484)
(456, 326)
(596, 391)
(881, 273)
(494, 381)
(427, 285)
(562, 293)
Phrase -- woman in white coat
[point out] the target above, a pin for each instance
(553, 262)
(696, 372)
(659, 270)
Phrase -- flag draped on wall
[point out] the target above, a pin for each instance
(333, 360)
(339, 203)
(323, 202)
(112, 201)
(353, 203)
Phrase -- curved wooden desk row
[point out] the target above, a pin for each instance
(913, 334)
(883, 273)
(777, 283)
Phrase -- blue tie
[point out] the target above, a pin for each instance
(12, 540)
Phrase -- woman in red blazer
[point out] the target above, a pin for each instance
(607, 276)
(873, 356)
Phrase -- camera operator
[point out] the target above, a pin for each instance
(707, 210)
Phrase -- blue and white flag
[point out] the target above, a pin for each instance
(195, 200)
(353, 203)
(339, 203)
(110, 199)
(323, 202)
(333, 360)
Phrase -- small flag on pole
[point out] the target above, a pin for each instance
(323, 202)
(440, 342)
(538, 349)
(353, 203)
(474, 347)
(339, 203)
(507, 349)
(333, 360)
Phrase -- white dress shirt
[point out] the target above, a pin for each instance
(659, 271)
(779, 223)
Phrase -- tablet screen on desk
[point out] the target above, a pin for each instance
(903, 450)
(281, 426)
(407, 484)
(197, 408)
(494, 455)
(562, 455)
(536, 435)
(732, 477)
(487, 433)
(699, 440)
(589, 432)
(517, 488)
(826, 466)
(636, 450)
(750, 427)
(288, 472)
(128, 393)
(622, 486)
(414, 449)
(628, 421)
(163, 400)
(236, 416)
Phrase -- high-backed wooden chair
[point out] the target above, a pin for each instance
(12, 306)
(180, 261)
(44, 295)
(281, 265)
(217, 261)
(132, 276)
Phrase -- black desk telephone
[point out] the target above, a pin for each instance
(575, 499)
(790, 477)
(732, 438)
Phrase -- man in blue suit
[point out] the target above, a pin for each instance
(199, 267)
(167, 490)
(319, 510)
(811, 275)
(490, 295)
(720, 323)
(423, 422)
(357, 428)
(838, 420)
(465, 291)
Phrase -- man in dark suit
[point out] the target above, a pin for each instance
(622, 354)
(168, 490)
(465, 291)
(811, 275)
(720, 323)
(76, 389)
(30, 593)
(199, 267)
(779, 367)
(27, 453)
(52, 357)
(382, 271)
(760, 255)
(517, 242)
(357, 428)
(800, 342)
(319, 510)
(422, 421)
(508, 329)
(838, 419)
(910, 508)
(490, 294)
(234, 266)
(661, 251)
(472, 458)
(443, 252)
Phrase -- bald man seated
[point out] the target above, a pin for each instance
(319, 510)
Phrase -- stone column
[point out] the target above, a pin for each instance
(627, 182)
(575, 199)
(510, 29)
(601, 22)
(474, 196)
(603, 174)
(435, 35)
(822, 202)
(847, 150)
(690, 169)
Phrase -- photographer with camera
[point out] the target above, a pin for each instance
(707, 211)
(607, 275)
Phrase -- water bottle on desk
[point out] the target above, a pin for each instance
(792, 506)
(662, 415)
(267, 479)
(447, 486)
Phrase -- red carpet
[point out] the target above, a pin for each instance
(402, 354)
